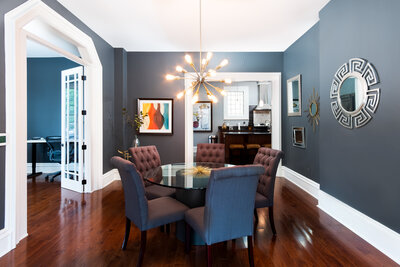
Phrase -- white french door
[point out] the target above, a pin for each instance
(73, 146)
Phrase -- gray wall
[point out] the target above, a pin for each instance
(145, 76)
(218, 109)
(361, 166)
(302, 57)
(106, 54)
(44, 99)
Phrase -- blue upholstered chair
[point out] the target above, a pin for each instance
(269, 158)
(147, 158)
(228, 211)
(145, 214)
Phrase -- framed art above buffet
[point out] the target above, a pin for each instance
(159, 115)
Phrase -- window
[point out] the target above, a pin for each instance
(236, 103)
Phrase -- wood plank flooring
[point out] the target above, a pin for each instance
(70, 229)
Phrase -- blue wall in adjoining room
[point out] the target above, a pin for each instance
(44, 99)
(361, 166)
(106, 55)
(302, 57)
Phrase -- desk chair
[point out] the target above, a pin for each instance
(54, 153)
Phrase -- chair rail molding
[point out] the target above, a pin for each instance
(15, 36)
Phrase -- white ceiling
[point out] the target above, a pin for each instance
(173, 25)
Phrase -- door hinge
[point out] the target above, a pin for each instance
(83, 182)
(84, 147)
(83, 112)
(83, 77)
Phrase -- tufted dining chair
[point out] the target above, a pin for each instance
(145, 214)
(146, 158)
(210, 153)
(269, 158)
(228, 211)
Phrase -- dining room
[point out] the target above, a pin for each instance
(240, 138)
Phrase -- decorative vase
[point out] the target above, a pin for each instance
(136, 141)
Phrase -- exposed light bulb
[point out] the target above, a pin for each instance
(204, 62)
(212, 72)
(228, 81)
(195, 98)
(180, 94)
(214, 99)
(224, 63)
(188, 59)
(209, 56)
(179, 69)
(170, 77)
(223, 92)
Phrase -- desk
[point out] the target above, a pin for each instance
(190, 187)
(34, 142)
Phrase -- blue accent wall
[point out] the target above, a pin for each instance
(361, 166)
(302, 57)
(44, 99)
(145, 79)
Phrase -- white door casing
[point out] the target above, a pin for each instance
(276, 126)
(16, 118)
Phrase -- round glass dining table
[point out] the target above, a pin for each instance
(193, 175)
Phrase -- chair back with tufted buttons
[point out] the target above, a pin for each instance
(145, 158)
(269, 158)
(210, 153)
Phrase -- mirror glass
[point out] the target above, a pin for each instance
(294, 96)
(313, 109)
(351, 94)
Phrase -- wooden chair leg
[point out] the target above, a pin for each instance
(209, 256)
(142, 248)
(250, 250)
(271, 219)
(127, 231)
(256, 216)
(187, 238)
(162, 228)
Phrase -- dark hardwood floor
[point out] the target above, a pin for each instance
(69, 229)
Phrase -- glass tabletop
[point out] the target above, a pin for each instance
(183, 175)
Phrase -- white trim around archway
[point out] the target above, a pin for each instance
(276, 126)
(16, 117)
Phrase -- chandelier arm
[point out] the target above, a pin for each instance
(191, 87)
(201, 69)
(208, 91)
(215, 87)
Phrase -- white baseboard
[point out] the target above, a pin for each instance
(301, 181)
(110, 177)
(5, 242)
(375, 233)
(45, 167)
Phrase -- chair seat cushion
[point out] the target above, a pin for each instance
(261, 201)
(156, 191)
(195, 218)
(164, 210)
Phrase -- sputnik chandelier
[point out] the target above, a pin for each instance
(201, 77)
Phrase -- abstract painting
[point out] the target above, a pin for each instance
(202, 116)
(159, 115)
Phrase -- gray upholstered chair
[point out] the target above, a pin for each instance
(145, 159)
(228, 211)
(269, 158)
(145, 214)
(210, 153)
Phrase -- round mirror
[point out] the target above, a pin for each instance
(351, 93)
(313, 109)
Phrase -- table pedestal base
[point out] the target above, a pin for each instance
(192, 198)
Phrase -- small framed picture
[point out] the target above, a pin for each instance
(202, 116)
(158, 115)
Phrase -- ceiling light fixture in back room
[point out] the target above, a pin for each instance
(202, 76)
